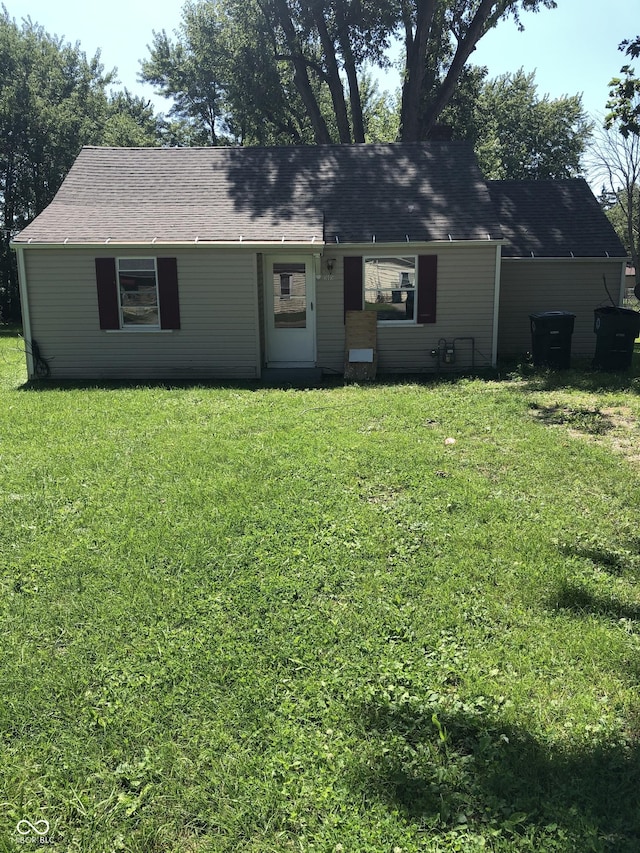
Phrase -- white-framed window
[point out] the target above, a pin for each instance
(390, 288)
(138, 293)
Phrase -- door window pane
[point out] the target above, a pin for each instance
(290, 296)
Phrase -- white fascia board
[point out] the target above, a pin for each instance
(191, 244)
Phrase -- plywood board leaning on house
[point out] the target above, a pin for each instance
(360, 345)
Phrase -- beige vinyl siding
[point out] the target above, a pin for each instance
(261, 306)
(532, 285)
(330, 320)
(218, 310)
(465, 305)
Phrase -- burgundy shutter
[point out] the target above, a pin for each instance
(168, 293)
(427, 288)
(108, 310)
(352, 284)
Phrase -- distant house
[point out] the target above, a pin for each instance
(228, 262)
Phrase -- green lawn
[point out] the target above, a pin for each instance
(247, 619)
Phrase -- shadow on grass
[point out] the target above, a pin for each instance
(530, 380)
(580, 377)
(575, 598)
(43, 386)
(614, 561)
(584, 419)
(328, 381)
(466, 771)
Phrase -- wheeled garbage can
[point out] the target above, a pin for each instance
(616, 331)
(551, 333)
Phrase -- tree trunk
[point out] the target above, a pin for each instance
(464, 50)
(354, 91)
(211, 120)
(416, 50)
(348, 58)
(333, 76)
(301, 76)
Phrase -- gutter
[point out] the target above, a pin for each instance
(177, 244)
(241, 243)
(413, 244)
(571, 259)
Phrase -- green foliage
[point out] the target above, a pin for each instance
(224, 80)
(517, 134)
(440, 39)
(381, 111)
(520, 136)
(53, 100)
(130, 121)
(267, 71)
(248, 619)
(624, 94)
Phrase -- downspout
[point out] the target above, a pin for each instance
(623, 281)
(24, 305)
(496, 307)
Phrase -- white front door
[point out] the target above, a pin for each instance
(290, 311)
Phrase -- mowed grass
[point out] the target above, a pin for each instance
(251, 619)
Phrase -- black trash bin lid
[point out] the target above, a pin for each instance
(616, 311)
(550, 314)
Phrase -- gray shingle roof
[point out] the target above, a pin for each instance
(553, 219)
(386, 193)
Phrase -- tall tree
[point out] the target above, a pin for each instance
(324, 41)
(53, 100)
(311, 57)
(190, 71)
(614, 161)
(516, 134)
(131, 121)
(224, 78)
(616, 156)
(440, 36)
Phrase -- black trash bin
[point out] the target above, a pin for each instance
(616, 331)
(551, 333)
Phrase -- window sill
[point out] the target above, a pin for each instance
(140, 331)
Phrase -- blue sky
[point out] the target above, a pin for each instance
(572, 49)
